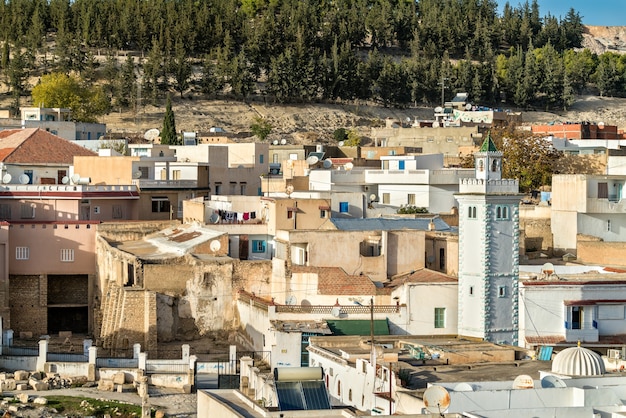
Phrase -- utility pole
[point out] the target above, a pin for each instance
(443, 88)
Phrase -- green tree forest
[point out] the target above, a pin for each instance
(394, 52)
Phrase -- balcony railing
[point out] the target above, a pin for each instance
(165, 184)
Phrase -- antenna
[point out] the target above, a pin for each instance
(523, 381)
(24, 179)
(291, 300)
(312, 160)
(65, 180)
(436, 400)
(327, 163)
(6, 178)
(215, 245)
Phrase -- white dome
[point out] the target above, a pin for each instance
(578, 361)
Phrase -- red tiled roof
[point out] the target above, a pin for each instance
(335, 281)
(37, 146)
(423, 275)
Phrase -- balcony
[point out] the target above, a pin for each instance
(596, 205)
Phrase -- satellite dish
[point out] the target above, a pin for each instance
(327, 163)
(275, 142)
(408, 119)
(547, 268)
(468, 106)
(137, 175)
(283, 141)
(289, 189)
(312, 160)
(523, 381)
(215, 218)
(463, 387)
(24, 179)
(372, 197)
(349, 166)
(291, 300)
(151, 134)
(436, 399)
(438, 109)
(6, 178)
(215, 245)
(65, 180)
(552, 382)
(336, 312)
(435, 124)
(341, 143)
(75, 178)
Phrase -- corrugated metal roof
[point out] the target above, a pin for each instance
(384, 224)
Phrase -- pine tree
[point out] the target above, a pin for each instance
(168, 133)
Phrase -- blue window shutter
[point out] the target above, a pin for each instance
(401, 164)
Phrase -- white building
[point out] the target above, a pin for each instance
(58, 121)
(488, 251)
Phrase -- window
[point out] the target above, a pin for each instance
(290, 213)
(233, 186)
(386, 198)
(502, 212)
(577, 317)
(440, 317)
(603, 191)
(144, 172)
(67, 255)
(275, 158)
(5, 212)
(258, 246)
(260, 158)
(608, 225)
(323, 213)
(160, 204)
(471, 212)
(175, 174)
(401, 164)
(410, 199)
(343, 207)
(242, 188)
(163, 174)
(22, 253)
(442, 258)
(218, 188)
(502, 291)
(471, 290)
(27, 211)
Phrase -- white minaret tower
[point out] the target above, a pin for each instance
(489, 250)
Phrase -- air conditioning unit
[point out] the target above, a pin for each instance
(614, 354)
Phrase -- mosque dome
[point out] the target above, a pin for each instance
(578, 361)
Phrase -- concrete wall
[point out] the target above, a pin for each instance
(537, 226)
(106, 170)
(421, 300)
(592, 250)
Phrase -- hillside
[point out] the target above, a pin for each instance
(316, 122)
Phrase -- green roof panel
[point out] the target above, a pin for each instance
(488, 145)
(358, 327)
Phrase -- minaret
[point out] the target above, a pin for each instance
(489, 250)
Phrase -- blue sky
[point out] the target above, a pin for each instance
(593, 12)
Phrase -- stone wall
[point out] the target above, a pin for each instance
(593, 250)
(29, 312)
(537, 226)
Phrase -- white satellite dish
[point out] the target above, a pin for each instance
(435, 124)
(438, 109)
(275, 142)
(283, 141)
(151, 134)
(336, 312)
(65, 180)
(372, 197)
(552, 382)
(75, 178)
(312, 160)
(24, 179)
(463, 387)
(436, 399)
(349, 166)
(468, 106)
(289, 189)
(291, 300)
(215, 245)
(6, 178)
(327, 163)
(215, 218)
(137, 175)
(341, 143)
(523, 381)
(547, 268)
